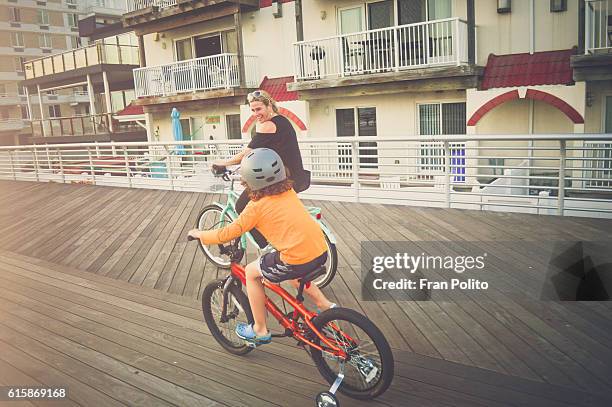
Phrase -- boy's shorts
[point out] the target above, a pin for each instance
(276, 271)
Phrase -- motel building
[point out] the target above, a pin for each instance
(499, 94)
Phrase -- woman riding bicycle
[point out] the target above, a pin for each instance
(275, 209)
(273, 131)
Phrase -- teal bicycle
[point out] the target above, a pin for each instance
(218, 215)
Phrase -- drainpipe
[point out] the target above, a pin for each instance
(299, 26)
(531, 26)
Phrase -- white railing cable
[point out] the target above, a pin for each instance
(555, 174)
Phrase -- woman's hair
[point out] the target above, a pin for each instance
(273, 189)
(263, 97)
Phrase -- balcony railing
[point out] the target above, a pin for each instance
(431, 43)
(12, 124)
(133, 5)
(213, 72)
(71, 126)
(95, 54)
(598, 26)
(99, 5)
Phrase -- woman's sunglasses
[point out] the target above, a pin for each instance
(256, 95)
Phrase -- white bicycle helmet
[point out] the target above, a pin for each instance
(261, 168)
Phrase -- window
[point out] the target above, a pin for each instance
(24, 113)
(43, 17)
(608, 115)
(380, 14)
(19, 61)
(55, 111)
(183, 49)
(17, 39)
(365, 125)
(14, 14)
(75, 42)
(437, 119)
(558, 5)
(2, 89)
(73, 20)
(233, 126)
(44, 41)
(186, 128)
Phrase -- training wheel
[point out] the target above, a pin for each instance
(326, 399)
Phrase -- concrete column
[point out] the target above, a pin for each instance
(29, 101)
(42, 112)
(90, 91)
(107, 96)
(241, 67)
(141, 51)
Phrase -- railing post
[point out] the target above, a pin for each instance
(455, 42)
(12, 165)
(561, 190)
(447, 175)
(36, 164)
(355, 168)
(169, 171)
(127, 166)
(227, 71)
(396, 46)
(61, 164)
(91, 166)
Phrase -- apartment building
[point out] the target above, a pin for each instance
(31, 30)
(384, 68)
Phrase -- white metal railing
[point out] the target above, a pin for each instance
(92, 5)
(543, 174)
(133, 5)
(95, 54)
(431, 43)
(213, 72)
(598, 25)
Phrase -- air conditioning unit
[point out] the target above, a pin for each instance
(277, 9)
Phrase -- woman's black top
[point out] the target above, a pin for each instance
(284, 142)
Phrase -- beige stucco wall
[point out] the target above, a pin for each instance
(271, 39)
(218, 131)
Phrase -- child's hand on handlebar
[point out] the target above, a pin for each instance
(194, 234)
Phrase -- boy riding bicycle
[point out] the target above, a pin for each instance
(276, 211)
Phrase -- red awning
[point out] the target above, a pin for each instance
(277, 88)
(130, 110)
(540, 68)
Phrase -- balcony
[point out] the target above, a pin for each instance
(12, 124)
(426, 44)
(99, 127)
(200, 74)
(105, 7)
(595, 64)
(11, 99)
(92, 55)
(598, 26)
(148, 16)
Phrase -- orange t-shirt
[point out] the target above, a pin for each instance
(284, 222)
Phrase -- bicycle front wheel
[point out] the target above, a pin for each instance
(369, 367)
(238, 310)
(210, 218)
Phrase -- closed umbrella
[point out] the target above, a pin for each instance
(177, 130)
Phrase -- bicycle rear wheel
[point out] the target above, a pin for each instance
(369, 368)
(238, 310)
(331, 265)
(209, 219)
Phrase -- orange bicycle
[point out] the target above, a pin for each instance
(350, 352)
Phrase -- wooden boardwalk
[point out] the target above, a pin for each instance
(100, 293)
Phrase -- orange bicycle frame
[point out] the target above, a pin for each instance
(298, 311)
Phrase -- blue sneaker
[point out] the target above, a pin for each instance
(245, 331)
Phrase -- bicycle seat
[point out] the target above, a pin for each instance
(313, 274)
